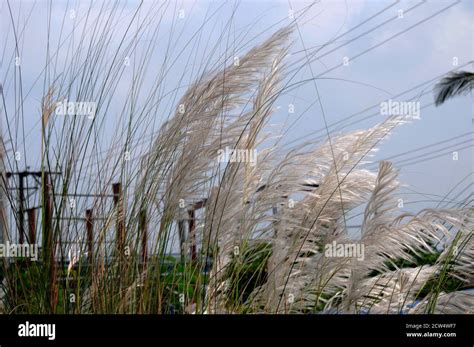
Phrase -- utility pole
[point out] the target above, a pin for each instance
(21, 198)
(21, 201)
(22, 175)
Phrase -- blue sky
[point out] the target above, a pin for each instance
(437, 34)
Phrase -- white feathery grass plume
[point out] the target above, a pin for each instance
(307, 227)
(458, 302)
(380, 207)
(377, 215)
(186, 147)
(396, 241)
(228, 211)
(387, 240)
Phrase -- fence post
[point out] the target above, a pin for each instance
(21, 212)
(31, 225)
(181, 234)
(144, 236)
(120, 224)
(48, 251)
(49, 246)
(90, 234)
(192, 234)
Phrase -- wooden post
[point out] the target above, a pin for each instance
(143, 223)
(120, 224)
(90, 234)
(47, 225)
(21, 212)
(49, 246)
(192, 225)
(192, 234)
(31, 225)
(181, 234)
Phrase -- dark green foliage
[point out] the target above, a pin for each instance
(247, 271)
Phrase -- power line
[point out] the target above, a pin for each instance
(434, 157)
(377, 105)
(432, 145)
(352, 40)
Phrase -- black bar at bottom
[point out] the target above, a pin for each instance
(225, 330)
